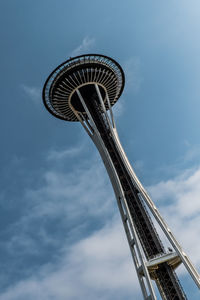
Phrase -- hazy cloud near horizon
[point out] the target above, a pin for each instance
(61, 233)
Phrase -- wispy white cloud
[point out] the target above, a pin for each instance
(179, 202)
(58, 154)
(97, 267)
(64, 193)
(63, 197)
(99, 263)
(85, 46)
(33, 93)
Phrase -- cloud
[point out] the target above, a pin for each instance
(71, 200)
(59, 155)
(82, 189)
(97, 267)
(56, 216)
(73, 220)
(85, 46)
(70, 228)
(179, 203)
(33, 93)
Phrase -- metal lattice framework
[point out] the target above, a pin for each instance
(84, 89)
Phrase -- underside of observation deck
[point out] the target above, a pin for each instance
(81, 71)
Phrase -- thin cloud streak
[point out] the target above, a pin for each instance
(64, 198)
(99, 262)
(85, 46)
(99, 265)
(59, 155)
(179, 202)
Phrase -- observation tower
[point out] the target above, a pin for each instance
(84, 89)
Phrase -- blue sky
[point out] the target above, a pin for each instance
(61, 236)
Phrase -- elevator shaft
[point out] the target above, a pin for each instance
(164, 275)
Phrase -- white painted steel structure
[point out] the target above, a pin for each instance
(66, 92)
(141, 264)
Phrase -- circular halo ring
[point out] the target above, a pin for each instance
(86, 84)
(76, 72)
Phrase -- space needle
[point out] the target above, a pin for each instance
(84, 89)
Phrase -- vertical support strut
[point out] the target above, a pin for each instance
(131, 233)
(133, 240)
(168, 233)
(131, 197)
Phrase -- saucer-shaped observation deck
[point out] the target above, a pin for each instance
(82, 72)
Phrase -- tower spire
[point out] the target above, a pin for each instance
(84, 89)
